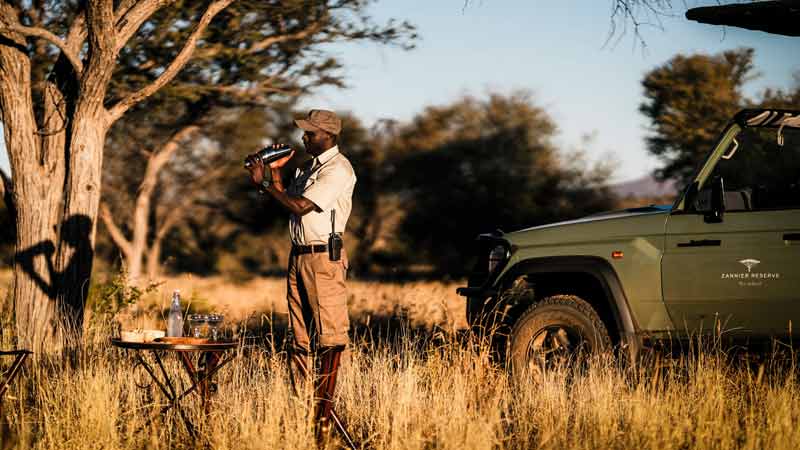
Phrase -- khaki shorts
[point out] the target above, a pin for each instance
(317, 298)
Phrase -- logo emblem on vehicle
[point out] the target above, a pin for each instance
(750, 263)
(751, 278)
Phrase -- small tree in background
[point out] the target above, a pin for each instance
(477, 165)
(687, 102)
(689, 99)
(779, 98)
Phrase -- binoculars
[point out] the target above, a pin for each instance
(269, 154)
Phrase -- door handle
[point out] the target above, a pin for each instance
(791, 237)
(701, 243)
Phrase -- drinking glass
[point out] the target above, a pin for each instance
(196, 322)
(213, 324)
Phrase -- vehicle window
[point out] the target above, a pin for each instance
(762, 175)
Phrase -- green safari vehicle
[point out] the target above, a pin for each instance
(724, 258)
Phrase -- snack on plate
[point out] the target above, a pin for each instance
(152, 335)
(132, 336)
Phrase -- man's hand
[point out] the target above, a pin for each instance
(277, 164)
(256, 169)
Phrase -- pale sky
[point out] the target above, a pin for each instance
(555, 49)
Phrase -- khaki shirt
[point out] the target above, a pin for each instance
(328, 182)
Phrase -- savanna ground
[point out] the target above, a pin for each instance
(413, 379)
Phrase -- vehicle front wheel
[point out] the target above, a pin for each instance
(556, 331)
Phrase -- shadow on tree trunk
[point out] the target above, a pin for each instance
(68, 284)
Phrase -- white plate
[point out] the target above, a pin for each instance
(132, 336)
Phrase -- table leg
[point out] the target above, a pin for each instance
(164, 373)
(206, 376)
(167, 389)
(175, 399)
(197, 375)
(153, 376)
(200, 379)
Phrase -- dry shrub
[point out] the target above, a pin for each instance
(426, 388)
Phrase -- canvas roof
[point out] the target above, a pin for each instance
(774, 16)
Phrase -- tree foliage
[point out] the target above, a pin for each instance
(687, 102)
(780, 98)
(690, 98)
(480, 164)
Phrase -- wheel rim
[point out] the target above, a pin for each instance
(553, 346)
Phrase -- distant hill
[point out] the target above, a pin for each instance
(644, 187)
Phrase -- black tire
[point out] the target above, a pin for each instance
(556, 330)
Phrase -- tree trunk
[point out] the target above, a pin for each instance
(37, 193)
(135, 250)
(53, 263)
(56, 177)
(141, 213)
(153, 260)
(75, 253)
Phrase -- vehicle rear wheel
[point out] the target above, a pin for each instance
(556, 331)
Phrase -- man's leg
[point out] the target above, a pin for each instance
(327, 294)
(300, 317)
(324, 283)
(330, 358)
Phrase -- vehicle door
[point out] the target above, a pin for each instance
(740, 273)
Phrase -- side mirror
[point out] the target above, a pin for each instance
(710, 201)
(713, 213)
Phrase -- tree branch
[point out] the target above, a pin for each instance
(77, 31)
(116, 111)
(100, 14)
(116, 233)
(135, 14)
(160, 157)
(272, 40)
(51, 38)
(100, 64)
(263, 87)
(260, 46)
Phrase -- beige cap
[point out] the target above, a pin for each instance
(320, 119)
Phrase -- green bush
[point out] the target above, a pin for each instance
(114, 294)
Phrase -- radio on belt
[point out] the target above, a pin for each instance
(334, 241)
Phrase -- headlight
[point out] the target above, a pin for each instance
(497, 256)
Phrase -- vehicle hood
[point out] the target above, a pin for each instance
(596, 227)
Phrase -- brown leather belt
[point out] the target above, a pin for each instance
(305, 249)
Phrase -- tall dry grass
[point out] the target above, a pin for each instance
(420, 386)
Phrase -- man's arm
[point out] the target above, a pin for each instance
(299, 206)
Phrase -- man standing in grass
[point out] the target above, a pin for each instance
(319, 197)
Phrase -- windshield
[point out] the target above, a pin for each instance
(760, 173)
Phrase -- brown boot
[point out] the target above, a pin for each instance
(325, 388)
